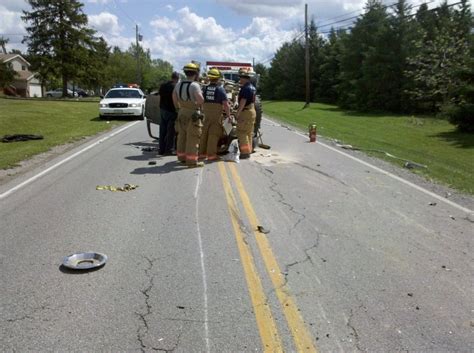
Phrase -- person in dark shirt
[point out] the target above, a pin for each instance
(168, 115)
(246, 114)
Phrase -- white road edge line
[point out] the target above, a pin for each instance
(39, 175)
(419, 188)
(203, 267)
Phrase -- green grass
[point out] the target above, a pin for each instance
(448, 154)
(59, 122)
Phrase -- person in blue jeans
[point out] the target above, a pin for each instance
(168, 116)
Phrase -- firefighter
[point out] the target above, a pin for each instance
(188, 97)
(215, 101)
(246, 114)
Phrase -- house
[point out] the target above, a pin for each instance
(26, 82)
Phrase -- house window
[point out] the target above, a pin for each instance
(23, 67)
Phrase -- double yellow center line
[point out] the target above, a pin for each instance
(266, 324)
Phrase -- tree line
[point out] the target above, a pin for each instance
(65, 52)
(393, 59)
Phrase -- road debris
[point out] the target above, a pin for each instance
(410, 294)
(150, 149)
(452, 217)
(261, 229)
(152, 163)
(413, 165)
(408, 164)
(125, 187)
(432, 204)
(20, 137)
(349, 147)
(233, 154)
(84, 261)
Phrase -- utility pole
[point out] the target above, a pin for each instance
(138, 54)
(306, 55)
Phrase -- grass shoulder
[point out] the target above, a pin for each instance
(421, 139)
(59, 122)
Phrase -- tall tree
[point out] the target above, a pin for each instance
(459, 109)
(404, 33)
(157, 72)
(441, 53)
(330, 67)
(262, 72)
(58, 38)
(121, 67)
(3, 43)
(95, 75)
(286, 75)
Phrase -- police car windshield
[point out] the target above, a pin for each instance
(123, 93)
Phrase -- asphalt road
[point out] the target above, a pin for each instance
(301, 248)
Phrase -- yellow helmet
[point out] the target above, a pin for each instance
(191, 67)
(214, 74)
(243, 72)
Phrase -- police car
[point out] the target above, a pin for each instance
(122, 101)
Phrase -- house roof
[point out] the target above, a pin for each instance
(24, 75)
(8, 57)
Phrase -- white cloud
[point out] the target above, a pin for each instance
(105, 23)
(11, 21)
(13, 28)
(265, 8)
(164, 24)
(261, 25)
(192, 37)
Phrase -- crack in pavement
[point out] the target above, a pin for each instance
(354, 331)
(31, 314)
(143, 316)
(320, 172)
(308, 257)
(349, 322)
(174, 347)
(286, 271)
(243, 228)
(301, 216)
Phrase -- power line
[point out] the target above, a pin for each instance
(301, 34)
(126, 14)
(374, 23)
(353, 17)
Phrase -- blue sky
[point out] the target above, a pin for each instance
(183, 30)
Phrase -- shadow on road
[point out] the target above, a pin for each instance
(69, 271)
(172, 166)
(143, 157)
